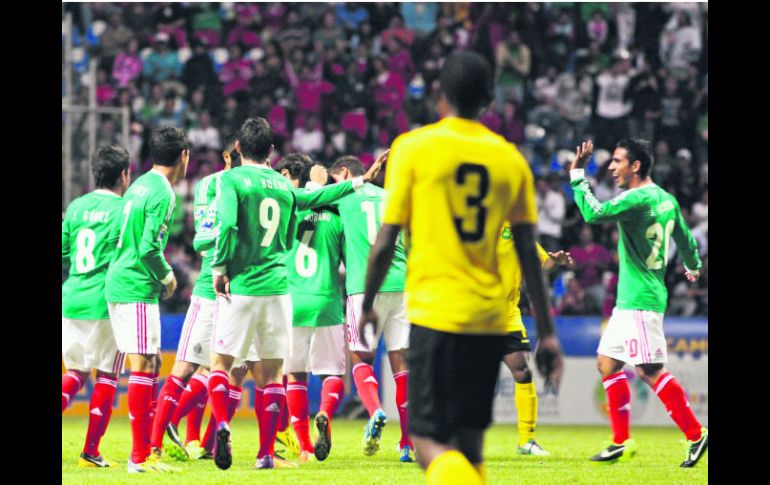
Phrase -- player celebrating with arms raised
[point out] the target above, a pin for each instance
(647, 218)
(454, 184)
(87, 338)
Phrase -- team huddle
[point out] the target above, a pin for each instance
(433, 263)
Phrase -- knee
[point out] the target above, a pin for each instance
(649, 372)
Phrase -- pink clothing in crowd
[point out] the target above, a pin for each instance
(589, 260)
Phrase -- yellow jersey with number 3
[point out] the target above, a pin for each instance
(453, 184)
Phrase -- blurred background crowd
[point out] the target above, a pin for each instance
(347, 78)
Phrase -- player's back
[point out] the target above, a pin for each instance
(361, 214)
(462, 182)
(645, 233)
(148, 206)
(85, 233)
(204, 210)
(264, 222)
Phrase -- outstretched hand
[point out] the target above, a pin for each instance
(582, 154)
(562, 258)
(374, 170)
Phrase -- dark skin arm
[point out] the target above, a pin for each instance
(380, 257)
(548, 352)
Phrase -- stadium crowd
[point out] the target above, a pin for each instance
(347, 78)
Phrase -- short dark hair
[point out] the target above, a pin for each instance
(256, 138)
(235, 157)
(298, 165)
(351, 163)
(166, 143)
(108, 163)
(639, 149)
(466, 81)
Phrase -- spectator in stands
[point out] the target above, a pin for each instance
(513, 124)
(400, 59)
(396, 28)
(236, 72)
(664, 164)
(172, 113)
(205, 135)
(309, 139)
(597, 28)
(576, 301)
(199, 69)
(591, 260)
(294, 35)
(574, 98)
(330, 32)
(162, 63)
(105, 93)
(683, 177)
(611, 107)
(420, 17)
(388, 92)
(560, 37)
(127, 65)
(513, 61)
(676, 114)
(153, 104)
(351, 15)
(552, 208)
(206, 23)
(644, 95)
(171, 20)
(680, 45)
(114, 37)
(246, 31)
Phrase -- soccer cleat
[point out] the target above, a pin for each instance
(287, 439)
(139, 467)
(264, 463)
(195, 451)
(304, 456)
(373, 432)
(223, 450)
(407, 454)
(696, 449)
(154, 461)
(281, 462)
(88, 461)
(531, 448)
(207, 456)
(614, 452)
(323, 445)
(173, 446)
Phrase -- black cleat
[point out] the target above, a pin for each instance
(614, 452)
(323, 444)
(696, 449)
(223, 451)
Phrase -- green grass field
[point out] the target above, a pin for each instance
(657, 461)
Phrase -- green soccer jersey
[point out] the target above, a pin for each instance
(84, 246)
(361, 215)
(140, 234)
(314, 262)
(256, 223)
(647, 218)
(205, 214)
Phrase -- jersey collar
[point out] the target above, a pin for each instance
(106, 192)
(165, 180)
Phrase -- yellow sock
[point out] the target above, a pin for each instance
(526, 406)
(481, 469)
(452, 468)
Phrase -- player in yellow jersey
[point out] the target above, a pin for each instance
(517, 345)
(452, 185)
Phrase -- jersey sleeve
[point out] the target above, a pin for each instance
(227, 233)
(324, 196)
(542, 254)
(205, 230)
(65, 239)
(151, 244)
(685, 243)
(621, 208)
(523, 208)
(399, 180)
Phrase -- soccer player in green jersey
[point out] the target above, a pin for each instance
(647, 217)
(361, 219)
(318, 338)
(195, 339)
(87, 338)
(138, 275)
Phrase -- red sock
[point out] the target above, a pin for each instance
(139, 402)
(332, 392)
(363, 376)
(168, 401)
(284, 422)
(208, 436)
(100, 412)
(194, 419)
(233, 400)
(70, 385)
(619, 404)
(296, 401)
(258, 392)
(190, 398)
(672, 394)
(219, 389)
(402, 400)
(154, 404)
(273, 400)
